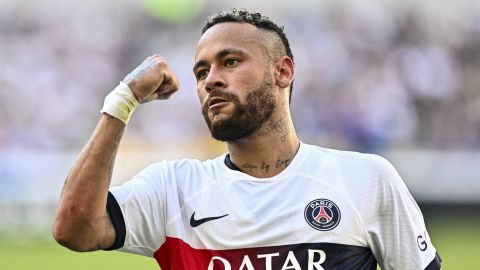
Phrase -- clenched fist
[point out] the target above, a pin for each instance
(152, 80)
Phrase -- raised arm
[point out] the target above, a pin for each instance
(82, 222)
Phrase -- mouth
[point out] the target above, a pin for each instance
(216, 102)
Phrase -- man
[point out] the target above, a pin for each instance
(272, 202)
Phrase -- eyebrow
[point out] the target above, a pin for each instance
(219, 55)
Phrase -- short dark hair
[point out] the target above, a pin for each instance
(253, 18)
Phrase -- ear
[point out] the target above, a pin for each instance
(284, 72)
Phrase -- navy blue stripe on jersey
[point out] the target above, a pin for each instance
(118, 222)
(436, 263)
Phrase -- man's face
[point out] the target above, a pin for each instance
(234, 80)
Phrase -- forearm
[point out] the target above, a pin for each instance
(82, 222)
(81, 218)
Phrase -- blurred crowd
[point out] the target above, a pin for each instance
(369, 76)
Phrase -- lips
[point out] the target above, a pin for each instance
(216, 102)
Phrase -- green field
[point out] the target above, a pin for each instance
(457, 241)
(40, 254)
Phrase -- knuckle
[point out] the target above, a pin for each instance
(176, 85)
(160, 63)
(158, 57)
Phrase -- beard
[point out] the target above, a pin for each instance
(245, 118)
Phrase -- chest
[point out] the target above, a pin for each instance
(243, 214)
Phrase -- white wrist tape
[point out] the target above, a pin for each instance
(120, 103)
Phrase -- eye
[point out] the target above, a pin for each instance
(201, 74)
(230, 62)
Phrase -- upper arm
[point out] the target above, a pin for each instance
(114, 234)
(107, 241)
(139, 217)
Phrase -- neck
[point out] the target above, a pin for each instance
(268, 151)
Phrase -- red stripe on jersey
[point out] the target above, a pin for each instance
(175, 254)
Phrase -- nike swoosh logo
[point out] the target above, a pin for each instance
(197, 222)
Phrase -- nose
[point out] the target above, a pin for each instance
(214, 80)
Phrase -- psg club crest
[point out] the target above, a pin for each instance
(322, 214)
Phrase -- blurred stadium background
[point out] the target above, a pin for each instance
(399, 78)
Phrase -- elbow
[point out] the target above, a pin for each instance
(71, 238)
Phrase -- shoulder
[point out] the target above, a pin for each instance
(185, 171)
(172, 175)
(187, 165)
(364, 161)
(358, 171)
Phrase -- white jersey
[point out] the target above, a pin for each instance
(328, 209)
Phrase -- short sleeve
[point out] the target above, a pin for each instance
(142, 204)
(395, 228)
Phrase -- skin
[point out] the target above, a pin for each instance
(233, 59)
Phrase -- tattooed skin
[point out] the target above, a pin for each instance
(282, 162)
(281, 127)
(249, 167)
(265, 166)
(135, 80)
(265, 131)
(139, 71)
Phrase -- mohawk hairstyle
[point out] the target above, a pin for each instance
(256, 19)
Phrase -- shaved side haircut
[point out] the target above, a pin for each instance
(274, 33)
